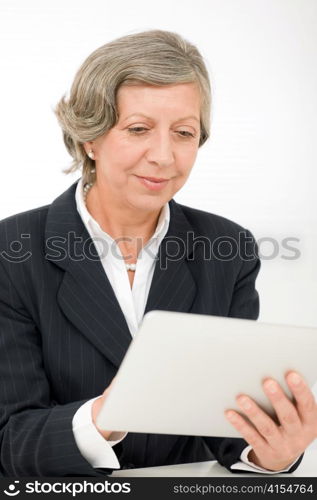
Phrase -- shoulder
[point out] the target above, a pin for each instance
(209, 223)
(224, 236)
(24, 223)
(34, 222)
(25, 220)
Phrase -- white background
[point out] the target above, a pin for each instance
(258, 168)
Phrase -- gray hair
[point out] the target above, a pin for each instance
(154, 57)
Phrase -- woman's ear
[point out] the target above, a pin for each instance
(88, 146)
(89, 149)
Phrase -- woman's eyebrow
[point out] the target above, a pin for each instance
(192, 117)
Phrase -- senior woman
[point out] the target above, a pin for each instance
(78, 275)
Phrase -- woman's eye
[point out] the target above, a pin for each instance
(185, 133)
(142, 130)
(137, 130)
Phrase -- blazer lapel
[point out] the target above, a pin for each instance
(173, 287)
(85, 295)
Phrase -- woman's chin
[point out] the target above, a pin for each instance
(148, 203)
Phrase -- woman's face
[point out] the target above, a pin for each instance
(147, 156)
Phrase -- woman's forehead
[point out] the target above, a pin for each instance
(143, 99)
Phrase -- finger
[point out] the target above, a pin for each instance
(305, 401)
(265, 426)
(284, 408)
(247, 431)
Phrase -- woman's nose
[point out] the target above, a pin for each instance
(161, 150)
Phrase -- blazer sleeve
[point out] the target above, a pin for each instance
(244, 304)
(36, 437)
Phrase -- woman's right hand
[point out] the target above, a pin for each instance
(96, 407)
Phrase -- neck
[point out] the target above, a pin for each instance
(120, 221)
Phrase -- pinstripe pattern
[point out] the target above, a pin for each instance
(63, 336)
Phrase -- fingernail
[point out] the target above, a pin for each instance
(271, 386)
(231, 416)
(295, 379)
(245, 403)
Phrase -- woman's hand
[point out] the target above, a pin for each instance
(96, 407)
(277, 446)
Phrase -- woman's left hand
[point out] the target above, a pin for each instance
(276, 446)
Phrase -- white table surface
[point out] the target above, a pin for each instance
(308, 468)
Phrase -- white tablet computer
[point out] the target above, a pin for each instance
(182, 371)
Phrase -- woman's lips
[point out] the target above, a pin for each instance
(153, 183)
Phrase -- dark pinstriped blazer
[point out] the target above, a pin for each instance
(63, 334)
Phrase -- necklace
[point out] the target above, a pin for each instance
(87, 186)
